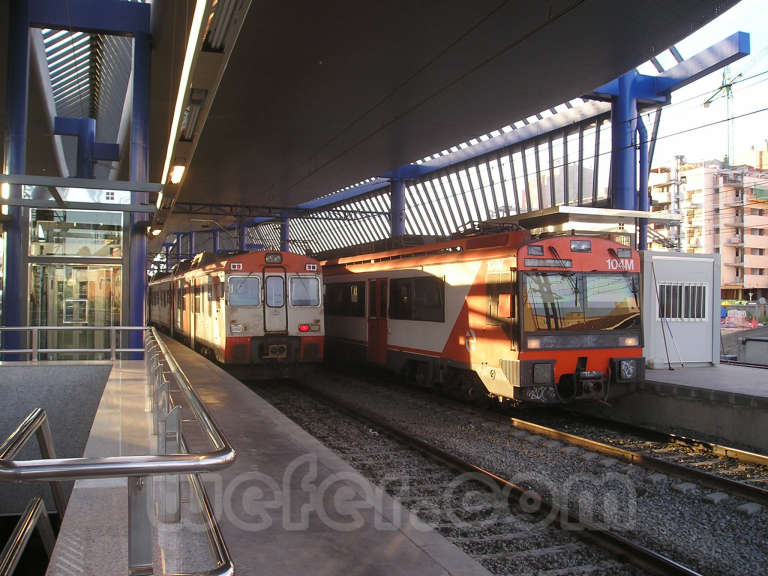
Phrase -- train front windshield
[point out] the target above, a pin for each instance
(557, 301)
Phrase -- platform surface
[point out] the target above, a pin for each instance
(720, 378)
(93, 538)
(291, 506)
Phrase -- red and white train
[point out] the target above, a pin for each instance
(545, 320)
(256, 308)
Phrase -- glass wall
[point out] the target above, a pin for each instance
(75, 295)
(76, 233)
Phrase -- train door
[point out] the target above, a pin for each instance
(275, 309)
(377, 320)
(194, 308)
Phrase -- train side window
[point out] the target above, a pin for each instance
(275, 291)
(244, 291)
(498, 301)
(305, 291)
(209, 294)
(428, 299)
(400, 299)
(345, 299)
(198, 291)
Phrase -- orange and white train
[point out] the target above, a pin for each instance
(546, 320)
(262, 309)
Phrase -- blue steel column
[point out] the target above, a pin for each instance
(17, 90)
(139, 172)
(85, 142)
(191, 243)
(241, 240)
(397, 210)
(215, 239)
(643, 192)
(623, 126)
(285, 235)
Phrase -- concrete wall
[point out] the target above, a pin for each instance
(689, 341)
(70, 394)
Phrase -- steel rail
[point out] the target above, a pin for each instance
(34, 516)
(618, 545)
(718, 449)
(708, 479)
(46, 470)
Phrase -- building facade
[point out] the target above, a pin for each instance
(723, 210)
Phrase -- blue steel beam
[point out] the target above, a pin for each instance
(88, 150)
(17, 91)
(657, 88)
(108, 16)
(139, 172)
(285, 234)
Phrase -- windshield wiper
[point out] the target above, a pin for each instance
(570, 276)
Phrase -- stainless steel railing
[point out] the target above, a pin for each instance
(34, 516)
(162, 371)
(34, 349)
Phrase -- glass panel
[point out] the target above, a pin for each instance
(83, 233)
(558, 169)
(574, 152)
(556, 301)
(612, 302)
(588, 167)
(305, 291)
(244, 291)
(275, 292)
(552, 302)
(75, 295)
(604, 161)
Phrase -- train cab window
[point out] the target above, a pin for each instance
(275, 291)
(305, 291)
(244, 291)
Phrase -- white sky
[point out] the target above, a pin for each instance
(687, 114)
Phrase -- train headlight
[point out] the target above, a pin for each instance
(630, 341)
(628, 369)
(543, 374)
(236, 328)
(534, 343)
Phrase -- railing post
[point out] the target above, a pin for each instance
(170, 441)
(140, 533)
(35, 345)
(112, 343)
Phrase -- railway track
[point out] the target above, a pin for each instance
(674, 515)
(502, 527)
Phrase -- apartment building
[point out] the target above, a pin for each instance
(722, 210)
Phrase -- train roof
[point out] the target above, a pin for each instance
(512, 239)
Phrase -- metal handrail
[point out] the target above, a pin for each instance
(46, 470)
(35, 351)
(35, 422)
(34, 516)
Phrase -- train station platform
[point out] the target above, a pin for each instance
(723, 403)
(293, 506)
(287, 505)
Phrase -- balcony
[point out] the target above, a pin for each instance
(733, 263)
(733, 224)
(734, 241)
